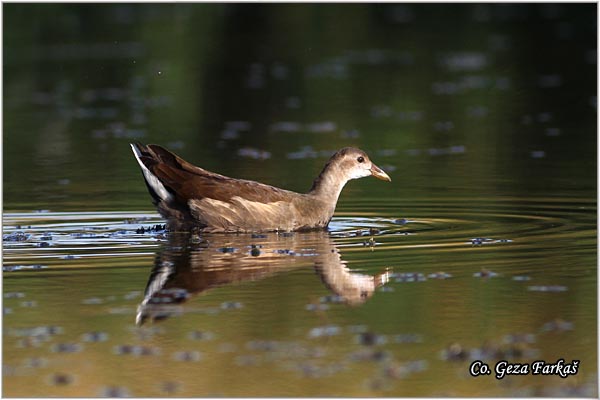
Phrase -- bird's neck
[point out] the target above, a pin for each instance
(329, 184)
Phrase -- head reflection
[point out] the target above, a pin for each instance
(188, 264)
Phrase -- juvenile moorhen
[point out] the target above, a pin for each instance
(192, 198)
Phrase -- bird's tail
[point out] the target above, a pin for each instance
(146, 159)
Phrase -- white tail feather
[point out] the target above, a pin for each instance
(152, 180)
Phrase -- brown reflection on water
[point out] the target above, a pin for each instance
(189, 265)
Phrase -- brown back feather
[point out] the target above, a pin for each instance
(188, 181)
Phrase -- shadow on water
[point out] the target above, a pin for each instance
(186, 265)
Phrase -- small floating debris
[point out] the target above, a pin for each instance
(189, 356)
(231, 305)
(169, 387)
(13, 268)
(521, 278)
(370, 354)
(151, 229)
(454, 352)
(321, 331)
(370, 339)
(114, 391)
(67, 348)
(136, 350)
(485, 273)
(552, 288)
(439, 275)
(286, 126)
(132, 295)
(247, 360)
(519, 338)
(35, 362)
(316, 307)
(335, 299)
(537, 154)
(357, 328)
(256, 154)
(557, 325)
(284, 251)
(92, 300)
(94, 337)
(227, 249)
(398, 370)
(42, 244)
(226, 348)
(407, 338)
(14, 295)
(80, 235)
(482, 241)
(402, 277)
(258, 236)
(17, 236)
(255, 251)
(29, 304)
(322, 127)
(34, 341)
(201, 335)
(60, 379)
(39, 331)
(350, 134)
(264, 345)
(400, 221)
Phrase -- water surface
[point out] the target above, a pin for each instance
(483, 246)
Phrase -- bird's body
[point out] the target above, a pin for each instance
(192, 198)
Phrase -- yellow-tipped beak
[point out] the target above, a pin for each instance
(379, 174)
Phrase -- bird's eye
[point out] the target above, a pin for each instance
(360, 159)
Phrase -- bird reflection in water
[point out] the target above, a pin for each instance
(188, 264)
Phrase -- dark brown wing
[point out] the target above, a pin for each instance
(187, 181)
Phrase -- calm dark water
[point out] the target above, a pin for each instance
(483, 246)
